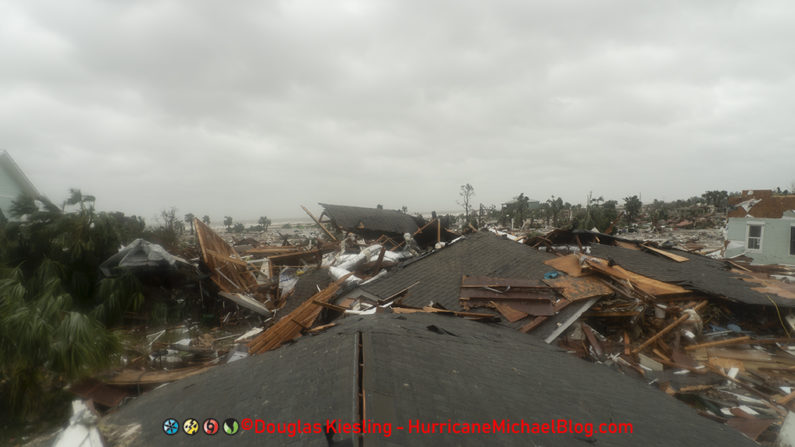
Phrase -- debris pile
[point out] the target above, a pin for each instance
(718, 341)
(712, 333)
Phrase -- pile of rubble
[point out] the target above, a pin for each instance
(712, 333)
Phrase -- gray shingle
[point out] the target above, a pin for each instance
(422, 367)
(356, 218)
(439, 274)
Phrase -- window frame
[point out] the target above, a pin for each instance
(748, 236)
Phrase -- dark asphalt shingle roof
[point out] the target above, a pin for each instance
(305, 288)
(701, 273)
(371, 219)
(423, 367)
(439, 274)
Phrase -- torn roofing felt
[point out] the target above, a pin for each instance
(425, 368)
(439, 274)
(700, 273)
(356, 219)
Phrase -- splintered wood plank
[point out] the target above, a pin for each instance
(644, 283)
(667, 254)
(627, 245)
(223, 261)
(292, 324)
(319, 224)
(730, 341)
(135, 377)
(569, 264)
(581, 288)
(668, 328)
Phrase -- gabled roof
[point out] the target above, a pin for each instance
(439, 274)
(426, 368)
(356, 218)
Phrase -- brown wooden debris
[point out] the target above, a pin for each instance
(668, 328)
(292, 324)
(227, 269)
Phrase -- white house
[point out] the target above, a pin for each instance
(761, 226)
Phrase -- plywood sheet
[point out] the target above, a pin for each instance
(569, 264)
(644, 283)
(581, 288)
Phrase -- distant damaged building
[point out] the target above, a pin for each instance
(370, 222)
(386, 225)
(761, 226)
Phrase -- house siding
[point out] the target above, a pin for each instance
(776, 239)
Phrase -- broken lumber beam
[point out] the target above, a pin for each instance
(292, 324)
(730, 341)
(667, 254)
(319, 224)
(668, 328)
(330, 306)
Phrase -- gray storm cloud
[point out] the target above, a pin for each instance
(252, 108)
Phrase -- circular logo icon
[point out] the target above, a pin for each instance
(171, 426)
(190, 426)
(231, 426)
(210, 426)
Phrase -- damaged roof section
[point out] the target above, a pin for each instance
(761, 204)
(706, 275)
(358, 219)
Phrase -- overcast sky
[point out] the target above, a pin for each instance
(251, 108)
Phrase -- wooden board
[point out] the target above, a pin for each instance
(508, 312)
(300, 319)
(136, 377)
(227, 269)
(627, 245)
(581, 288)
(569, 264)
(667, 254)
(644, 283)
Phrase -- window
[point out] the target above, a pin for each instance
(754, 237)
(792, 241)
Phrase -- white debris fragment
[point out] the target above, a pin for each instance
(82, 430)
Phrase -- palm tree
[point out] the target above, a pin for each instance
(54, 313)
(265, 222)
(227, 222)
(189, 219)
(206, 219)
